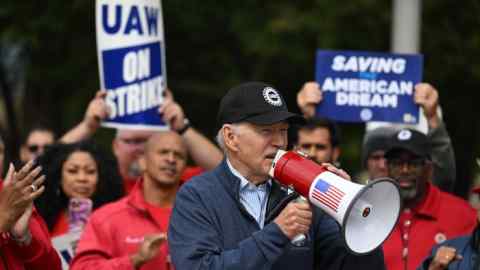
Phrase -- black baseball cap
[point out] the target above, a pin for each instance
(411, 140)
(257, 103)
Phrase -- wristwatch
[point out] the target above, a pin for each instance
(186, 126)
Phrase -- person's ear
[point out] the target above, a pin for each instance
(142, 162)
(230, 137)
(428, 170)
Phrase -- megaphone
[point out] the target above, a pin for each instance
(367, 213)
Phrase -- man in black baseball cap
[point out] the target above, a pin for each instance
(429, 215)
(237, 217)
(408, 162)
(256, 103)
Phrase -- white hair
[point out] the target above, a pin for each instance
(219, 138)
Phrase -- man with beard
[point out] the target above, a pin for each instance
(237, 217)
(429, 215)
(129, 234)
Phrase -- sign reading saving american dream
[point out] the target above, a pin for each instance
(131, 57)
(368, 86)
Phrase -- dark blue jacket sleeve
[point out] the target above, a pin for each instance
(331, 252)
(195, 240)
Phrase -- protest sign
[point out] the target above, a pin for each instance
(131, 57)
(64, 245)
(368, 86)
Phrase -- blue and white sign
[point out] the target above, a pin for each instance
(63, 244)
(131, 57)
(368, 86)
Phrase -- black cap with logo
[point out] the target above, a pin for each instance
(411, 140)
(254, 102)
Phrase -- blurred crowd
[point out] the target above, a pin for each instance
(175, 199)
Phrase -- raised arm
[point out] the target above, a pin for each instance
(443, 156)
(203, 152)
(308, 98)
(97, 111)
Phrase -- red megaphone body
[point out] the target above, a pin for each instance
(367, 213)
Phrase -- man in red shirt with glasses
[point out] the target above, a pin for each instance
(429, 215)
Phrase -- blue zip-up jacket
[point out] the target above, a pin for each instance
(210, 229)
(467, 246)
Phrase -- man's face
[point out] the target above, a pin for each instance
(317, 145)
(377, 165)
(164, 159)
(35, 145)
(253, 147)
(411, 173)
(127, 147)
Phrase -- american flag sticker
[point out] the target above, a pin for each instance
(328, 195)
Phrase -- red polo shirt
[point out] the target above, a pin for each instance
(438, 217)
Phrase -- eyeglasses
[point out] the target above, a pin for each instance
(34, 148)
(398, 163)
(136, 141)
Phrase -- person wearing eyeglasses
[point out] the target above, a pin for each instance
(37, 139)
(429, 216)
(128, 145)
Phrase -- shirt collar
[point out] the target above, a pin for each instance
(429, 205)
(244, 183)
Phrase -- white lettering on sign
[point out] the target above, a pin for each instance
(369, 64)
(136, 65)
(368, 86)
(135, 98)
(366, 100)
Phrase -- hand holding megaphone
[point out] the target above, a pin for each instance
(367, 214)
(295, 219)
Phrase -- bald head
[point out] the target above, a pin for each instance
(162, 136)
(164, 158)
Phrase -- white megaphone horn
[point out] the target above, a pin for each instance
(366, 213)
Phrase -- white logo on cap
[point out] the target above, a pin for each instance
(404, 135)
(272, 97)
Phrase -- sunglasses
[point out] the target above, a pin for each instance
(34, 148)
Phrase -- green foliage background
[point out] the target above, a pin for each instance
(213, 45)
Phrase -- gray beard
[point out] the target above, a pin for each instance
(408, 194)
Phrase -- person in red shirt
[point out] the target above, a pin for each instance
(79, 170)
(128, 144)
(130, 233)
(24, 239)
(429, 215)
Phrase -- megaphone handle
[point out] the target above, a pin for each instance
(300, 239)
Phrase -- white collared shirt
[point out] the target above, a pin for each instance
(253, 198)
